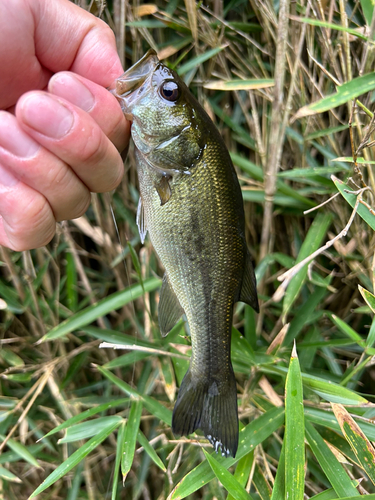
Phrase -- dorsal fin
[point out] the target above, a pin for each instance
(248, 292)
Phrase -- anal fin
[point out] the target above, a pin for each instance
(248, 292)
(169, 310)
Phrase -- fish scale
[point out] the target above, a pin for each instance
(191, 205)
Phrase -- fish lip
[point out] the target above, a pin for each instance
(133, 78)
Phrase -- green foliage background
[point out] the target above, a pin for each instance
(280, 81)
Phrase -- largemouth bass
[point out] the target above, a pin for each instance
(191, 205)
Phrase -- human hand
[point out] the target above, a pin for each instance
(55, 61)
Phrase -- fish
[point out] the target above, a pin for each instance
(191, 205)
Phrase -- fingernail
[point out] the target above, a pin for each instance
(46, 115)
(14, 139)
(70, 88)
(6, 178)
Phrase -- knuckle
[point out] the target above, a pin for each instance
(35, 229)
(95, 148)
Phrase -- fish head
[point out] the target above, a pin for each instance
(167, 121)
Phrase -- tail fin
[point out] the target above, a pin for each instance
(209, 405)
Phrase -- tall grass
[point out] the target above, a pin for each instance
(283, 81)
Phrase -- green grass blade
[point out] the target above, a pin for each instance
(71, 282)
(326, 419)
(243, 470)
(368, 297)
(326, 495)
(229, 482)
(345, 93)
(88, 429)
(120, 440)
(371, 335)
(294, 432)
(261, 484)
(21, 451)
(329, 463)
(330, 26)
(101, 308)
(312, 242)
(256, 172)
(130, 437)
(87, 414)
(250, 436)
(152, 405)
(74, 459)
(8, 476)
(363, 449)
(278, 490)
(328, 390)
(362, 211)
(143, 441)
(197, 61)
(347, 330)
(368, 10)
(239, 84)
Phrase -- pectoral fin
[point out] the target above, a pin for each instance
(249, 285)
(164, 189)
(141, 223)
(169, 310)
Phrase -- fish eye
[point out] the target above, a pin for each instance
(169, 91)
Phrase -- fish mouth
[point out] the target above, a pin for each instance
(124, 88)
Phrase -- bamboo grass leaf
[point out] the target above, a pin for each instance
(326, 419)
(294, 432)
(312, 242)
(329, 463)
(326, 495)
(347, 330)
(101, 308)
(368, 10)
(350, 159)
(152, 405)
(261, 484)
(345, 93)
(87, 414)
(330, 26)
(21, 451)
(243, 470)
(368, 297)
(88, 429)
(239, 84)
(120, 440)
(227, 480)
(197, 61)
(325, 388)
(168, 377)
(362, 210)
(143, 441)
(6, 475)
(130, 437)
(74, 459)
(278, 490)
(359, 443)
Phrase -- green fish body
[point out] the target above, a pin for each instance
(191, 205)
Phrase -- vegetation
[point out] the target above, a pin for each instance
(288, 84)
